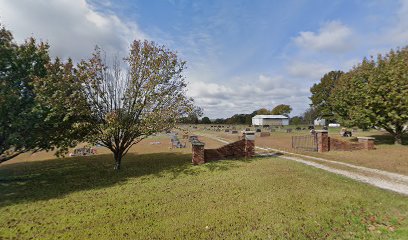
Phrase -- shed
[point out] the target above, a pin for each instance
(270, 120)
(319, 122)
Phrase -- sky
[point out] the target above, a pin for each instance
(241, 55)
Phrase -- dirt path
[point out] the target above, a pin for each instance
(381, 179)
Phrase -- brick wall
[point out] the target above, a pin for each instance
(239, 149)
(326, 143)
(338, 145)
(231, 150)
(367, 142)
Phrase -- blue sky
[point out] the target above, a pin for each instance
(241, 55)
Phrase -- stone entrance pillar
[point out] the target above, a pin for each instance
(249, 137)
(198, 152)
(323, 144)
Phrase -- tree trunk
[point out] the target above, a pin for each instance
(398, 138)
(398, 134)
(4, 157)
(118, 160)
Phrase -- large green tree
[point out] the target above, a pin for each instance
(126, 107)
(309, 115)
(29, 119)
(321, 93)
(348, 97)
(206, 120)
(237, 119)
(62, 106)
(20, 129)
(281, 109)
(219, 121)
(191, 118)
(262, 111)
(375, 93)
(296, 120)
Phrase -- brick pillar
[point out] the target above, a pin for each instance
(249, 148)
(249, 138)
(323, 144)
(368, 142)
(198, 153)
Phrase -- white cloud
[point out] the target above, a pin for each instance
(307, 70)
(332, 37)
(224, 100)
(209, 90)
(269, 82)
(397, 34)
(72, 27)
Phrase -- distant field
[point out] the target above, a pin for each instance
(145, 146)
(162, 196)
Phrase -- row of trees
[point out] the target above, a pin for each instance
(280, 109)
(46, 105)
(372, 94)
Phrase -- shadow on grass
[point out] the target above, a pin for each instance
(43, 180)
(388, 139)
(380, 139)
(224, 164)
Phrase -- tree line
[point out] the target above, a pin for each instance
(373, 94)
(50, 104)
(242, 118)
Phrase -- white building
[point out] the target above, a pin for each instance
(271, 120)
(319, 122)
(336, 125)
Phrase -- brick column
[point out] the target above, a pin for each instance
(249, 148)
(198, 152)
(323, 144)
(368, 142)
(249, 139)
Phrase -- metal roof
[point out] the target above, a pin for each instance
(271, 116)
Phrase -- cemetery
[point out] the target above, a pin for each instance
(274, 128)
(234, 174)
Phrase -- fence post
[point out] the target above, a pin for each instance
(292, 143)
(322, 141)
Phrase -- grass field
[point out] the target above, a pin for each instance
(163, 196)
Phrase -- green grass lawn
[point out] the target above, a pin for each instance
(161, 196)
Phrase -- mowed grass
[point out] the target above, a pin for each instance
(163, 196)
